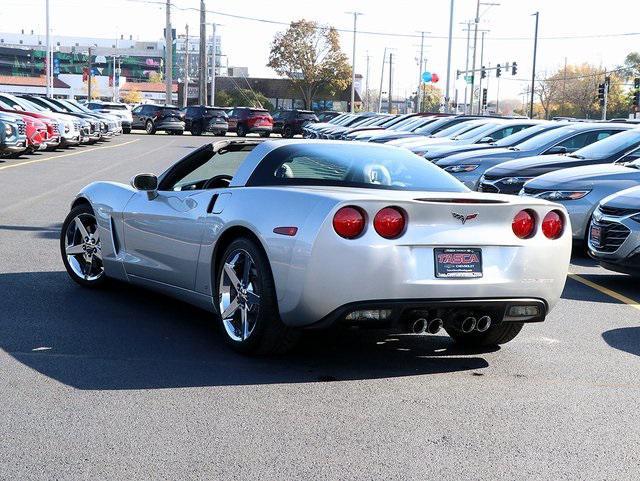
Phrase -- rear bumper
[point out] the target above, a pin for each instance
(217, 127)
(258, 130)
(172, 126)
(446, 309)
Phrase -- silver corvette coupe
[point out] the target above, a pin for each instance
(276, 236)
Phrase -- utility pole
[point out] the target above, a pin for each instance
(421, 63)
(564, 87)
(48, 63)
(466, 66)
(115, 54)
(475, 48)
(533, 73)
(366, 88)
(89, 76)
(168, 61)
(185, 90)
(606, 96)
(213, 66)
(353, 61)
(390, 79)
(384, 59)
(447, 96)
(202, 57)
(481, 66)
(498, 97)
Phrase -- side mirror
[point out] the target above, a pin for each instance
(558, 149)
(147, 183)
(486, 140)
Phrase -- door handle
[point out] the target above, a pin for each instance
(212, 203)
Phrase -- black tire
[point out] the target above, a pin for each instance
(196, 129)
(265, 134)
(494, 336)
(287, 132)
(150, 128)
(86, 210)
(241, 131)
(269, 335)
(222, 133)
(179, 132)
(126, 130)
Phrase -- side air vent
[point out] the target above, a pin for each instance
(114, 237)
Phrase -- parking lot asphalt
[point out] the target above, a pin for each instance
(126, 384)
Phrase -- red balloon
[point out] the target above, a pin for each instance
(434, 77)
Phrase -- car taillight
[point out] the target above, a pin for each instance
(348, 222)
(552, 225)
(389, 222)
(523, 224)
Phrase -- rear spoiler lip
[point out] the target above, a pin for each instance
(462, 200)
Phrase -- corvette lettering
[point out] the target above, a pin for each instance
(458, 258)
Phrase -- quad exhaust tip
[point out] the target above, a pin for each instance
(483, 324)
(434, 325)
(419, 325)
(468, 325)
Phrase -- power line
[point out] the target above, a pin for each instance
(389, 34)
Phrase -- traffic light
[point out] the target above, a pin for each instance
(636, 99)
(498, 70)
(483, 72)
(636, 83)
(601, 89)
(457, 74)
(484, 98)
(514, 68)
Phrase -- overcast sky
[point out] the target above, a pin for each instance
(247, 42)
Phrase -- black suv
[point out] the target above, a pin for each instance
(199, 119)
(152, 118)
(290, 122)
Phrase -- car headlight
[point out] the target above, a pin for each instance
(563, 194)
(515, 180)
(461, 168)
(8, 130)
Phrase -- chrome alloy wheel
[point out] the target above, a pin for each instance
(82, 247)
(238, 295)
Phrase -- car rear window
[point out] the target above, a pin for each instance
(364, 166)
(307, 116)
(171, 109)
(115, 107)
(218, 112)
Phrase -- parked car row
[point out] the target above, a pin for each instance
(32, 122)
(591, 168)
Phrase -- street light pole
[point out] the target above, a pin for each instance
(475, 48)
(384, 59)
(89, 76)
(447, 97)
(533, 73)
(480, 81)
(168, 61)
(466, 66)
(185, 90)
(48, 63)
(213, 65)
(421, 62)
(353, 61)
(366, 88)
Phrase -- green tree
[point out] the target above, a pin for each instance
(309, 54)
(242, 98)
(431, 98)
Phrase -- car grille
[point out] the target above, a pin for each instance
(76, 125)
(22, 128)
(617, 211)
(56, 130)
(612, 235)
(485, 187)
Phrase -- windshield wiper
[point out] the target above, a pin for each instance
(576, 156)
(514, 148)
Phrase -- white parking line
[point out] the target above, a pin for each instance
(84, 151)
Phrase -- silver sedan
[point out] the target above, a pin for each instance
(276, 236)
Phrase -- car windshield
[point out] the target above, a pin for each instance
(363, 166)
(115, 106)
(71, 107)
(545, 138)
(411, 124)
(477, 132)
(457, 129)
(218, 112)
(610, 145)
(78, 107)
(524, 135)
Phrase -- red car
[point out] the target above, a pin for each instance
(40, 128)
(246, 120)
